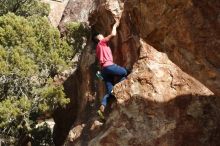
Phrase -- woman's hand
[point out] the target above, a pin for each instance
(114, 31)
(116, 23)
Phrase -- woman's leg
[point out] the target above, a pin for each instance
(109, 83)
(116, 70)
(105, 100)
(108, 74)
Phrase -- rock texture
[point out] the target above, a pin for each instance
(76, 11)
(186, 30)
(159, 104)
(172, 95)
(57, 9)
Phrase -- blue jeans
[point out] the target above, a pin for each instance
(108, 74)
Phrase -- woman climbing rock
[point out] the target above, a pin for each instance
(109, 68)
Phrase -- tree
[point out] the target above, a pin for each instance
(31, 54)
(24, 7)
(76, 35)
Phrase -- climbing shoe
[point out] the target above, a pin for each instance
(99, 75)
(101, 114)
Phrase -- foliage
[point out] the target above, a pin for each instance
(42, 135)
(51, 97)
(31, 54)
(77, 34)
(24, 7)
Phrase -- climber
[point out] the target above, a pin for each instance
(108, 69)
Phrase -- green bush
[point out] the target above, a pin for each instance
(24, 7)
(42, 136)
(31, 54)
(76, 35)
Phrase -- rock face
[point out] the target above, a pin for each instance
(172, 95)
(56, 10)
(186, 30)
(76, 11)
(159, 104)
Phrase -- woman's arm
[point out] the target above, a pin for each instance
(114, 31)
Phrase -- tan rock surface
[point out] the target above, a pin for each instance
(188, 31)
(57, 8)
(160, 105)
(172, 95)
(76, 11)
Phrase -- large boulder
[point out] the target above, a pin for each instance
(172, 95)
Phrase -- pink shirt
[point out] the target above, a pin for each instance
(104, 53)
